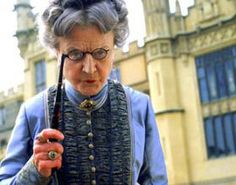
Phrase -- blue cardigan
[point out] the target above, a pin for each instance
(148, 163)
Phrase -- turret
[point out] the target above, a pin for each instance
(25, 24)
(163, 83)
(177, 8)
(156, 18)
(179, 19)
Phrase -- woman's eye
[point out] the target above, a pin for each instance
(99, 53)
(76, 55)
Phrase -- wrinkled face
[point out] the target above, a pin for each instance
(90, 58)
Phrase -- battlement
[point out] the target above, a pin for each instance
(12, 92)
(134, 48)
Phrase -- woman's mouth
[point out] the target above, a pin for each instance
(90, 81)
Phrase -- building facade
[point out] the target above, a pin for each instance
(188, 66)
(10, 103)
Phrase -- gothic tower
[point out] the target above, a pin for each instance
(156, 18)
(25, 24)
(164, 91)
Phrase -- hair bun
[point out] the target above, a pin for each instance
(78, 4)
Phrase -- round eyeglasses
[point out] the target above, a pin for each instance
(77, 55)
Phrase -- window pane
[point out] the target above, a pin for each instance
(201, 72)
(229, 67)
(219, 136)
(2, 116)
(217, 74)
(211, 82)
(40, 76)
(234, 51)
(221, 81)
(38, 73)
(234, 127)
(230, 147)
(203, 90)
(209, 133)
(203, 85)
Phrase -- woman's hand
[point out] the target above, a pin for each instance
(44, 161)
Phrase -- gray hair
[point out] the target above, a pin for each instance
(60, 17)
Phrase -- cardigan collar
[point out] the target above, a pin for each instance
(77, 98)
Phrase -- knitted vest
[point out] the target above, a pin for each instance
(97, 144)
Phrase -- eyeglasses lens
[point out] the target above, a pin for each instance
(98, 54)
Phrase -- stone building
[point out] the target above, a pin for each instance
(188, 66)
(9, 106)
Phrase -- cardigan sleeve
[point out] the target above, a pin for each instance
(17, 167)
(148, 161)
(153, 170)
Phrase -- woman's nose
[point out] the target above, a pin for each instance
(89, 65)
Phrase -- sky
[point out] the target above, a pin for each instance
(11, 63)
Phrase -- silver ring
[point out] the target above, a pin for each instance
(52, 155)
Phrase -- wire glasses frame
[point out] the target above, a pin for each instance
(97, 54)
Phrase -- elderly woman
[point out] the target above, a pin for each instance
(106, 132)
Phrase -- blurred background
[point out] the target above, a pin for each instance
(184, 53)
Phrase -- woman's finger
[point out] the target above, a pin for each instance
(46, 147)
(47, 134)
(52, 134)
(44, 157)
(45, 167)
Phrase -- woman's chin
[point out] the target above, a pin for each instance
(89, 92)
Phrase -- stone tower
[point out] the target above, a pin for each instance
(156, 15)
(163, 83)
(25, 24)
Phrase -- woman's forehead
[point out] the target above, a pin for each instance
(87, 37)
(90, 32)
